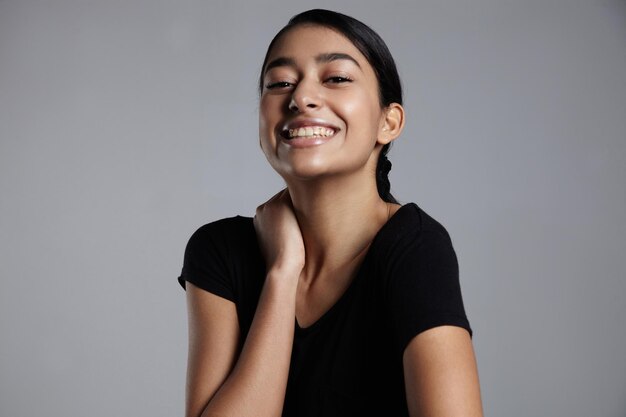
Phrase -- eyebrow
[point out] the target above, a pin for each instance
(320, 59)
(334, 56)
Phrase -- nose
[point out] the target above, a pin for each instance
(305, 96)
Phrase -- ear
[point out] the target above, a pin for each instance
(392, 123)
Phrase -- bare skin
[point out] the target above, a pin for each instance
(315, 230)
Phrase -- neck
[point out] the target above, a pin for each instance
(338, 218)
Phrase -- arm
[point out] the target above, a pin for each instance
(218, 384)
(256, 386)
(440, 374)
(213, 338)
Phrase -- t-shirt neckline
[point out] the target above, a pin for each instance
(303, 331)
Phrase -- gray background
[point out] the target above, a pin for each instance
(125, 125)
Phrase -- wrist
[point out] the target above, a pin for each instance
(286, 266)
(284, 273)
(285, 284)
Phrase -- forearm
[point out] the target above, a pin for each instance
(257, 384)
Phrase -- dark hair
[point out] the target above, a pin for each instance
(377, 54)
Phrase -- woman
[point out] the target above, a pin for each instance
(334, 300)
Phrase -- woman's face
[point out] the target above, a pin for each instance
(320, 112)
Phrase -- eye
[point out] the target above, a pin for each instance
(278, 84)
(338, 79)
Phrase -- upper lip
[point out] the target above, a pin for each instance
(298, 123)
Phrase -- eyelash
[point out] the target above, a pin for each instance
(340, 79)
(284, 84)
(278, 84)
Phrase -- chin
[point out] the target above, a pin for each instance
(303, 171)
(303, 165)
(313, 170)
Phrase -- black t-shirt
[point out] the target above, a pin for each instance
(349, 362)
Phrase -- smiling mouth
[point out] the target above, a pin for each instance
(308, 132)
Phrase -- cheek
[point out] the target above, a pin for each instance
(263, 111)
(269, 107)
(267, 118)
(362, 113)
(270, 113)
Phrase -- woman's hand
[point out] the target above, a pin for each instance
(223, 380)
(279, 234)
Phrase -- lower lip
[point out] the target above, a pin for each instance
(306, 142)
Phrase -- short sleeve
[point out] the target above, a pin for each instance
(424, 289)
(206, 262)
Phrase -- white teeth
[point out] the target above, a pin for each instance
(311, 131)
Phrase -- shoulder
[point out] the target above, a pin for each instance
(225, 240)
(215, 250)
(420, 272)
(227, 231)
(412, 229)
(228, 224)
(415, 259)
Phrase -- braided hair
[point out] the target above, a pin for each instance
(374, 49)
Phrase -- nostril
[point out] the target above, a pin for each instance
(293, 106)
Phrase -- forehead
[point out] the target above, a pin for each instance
(307, 41)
